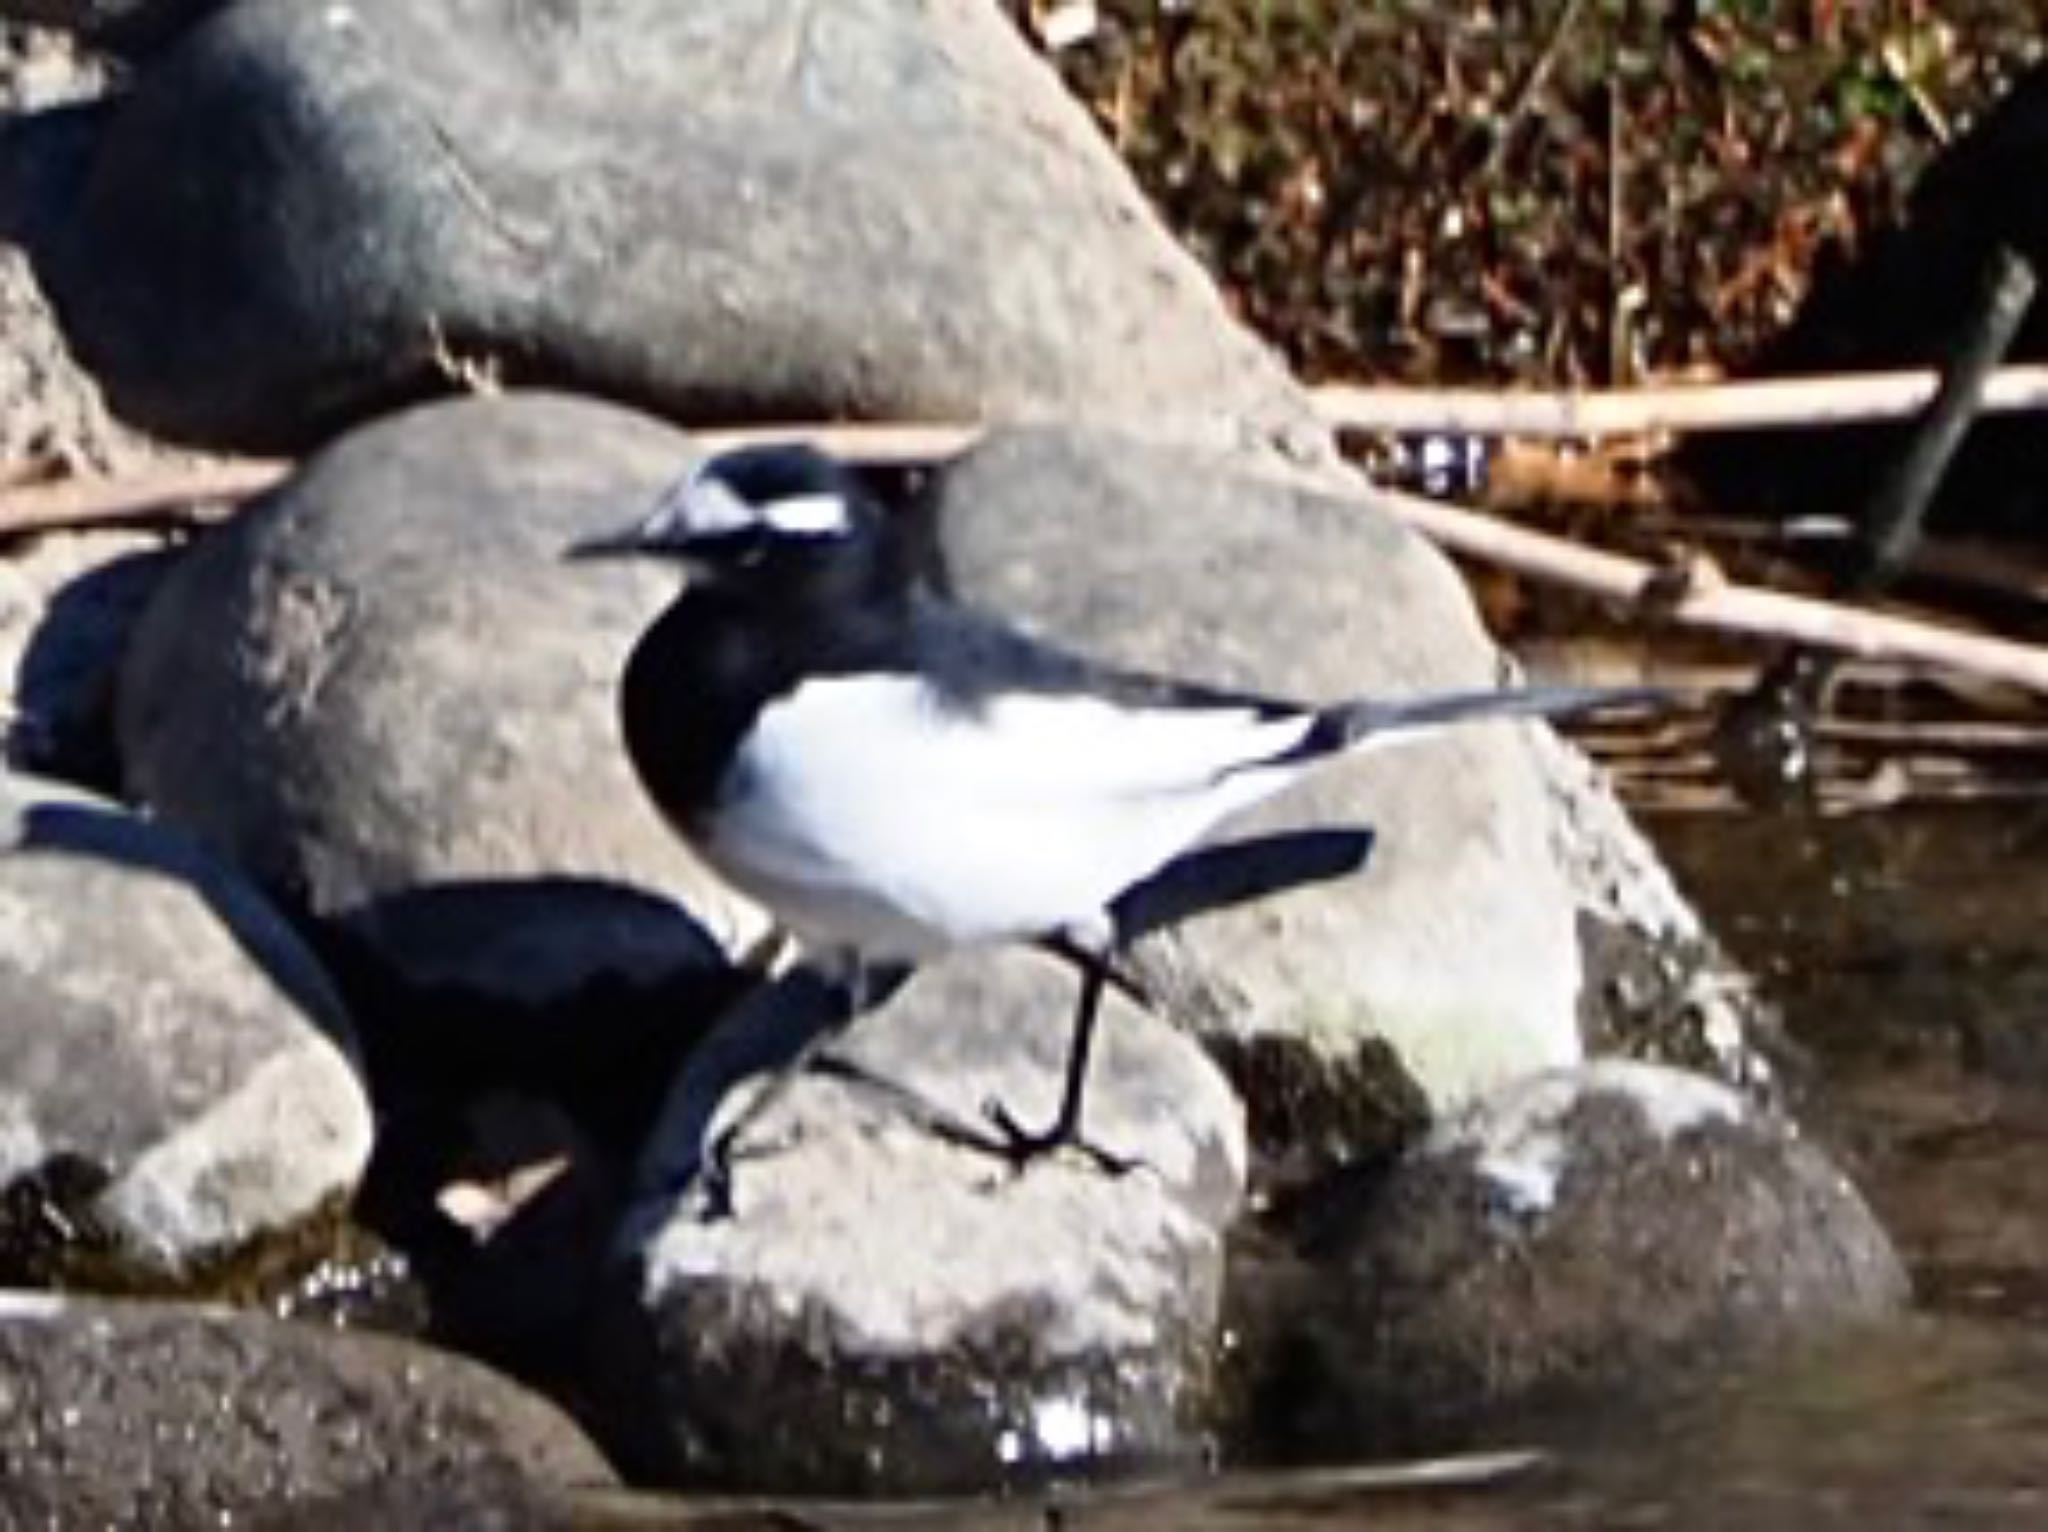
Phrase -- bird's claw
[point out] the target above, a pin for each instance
(714, 1178)
(1021, 1146)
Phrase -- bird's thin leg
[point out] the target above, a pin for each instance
(854, 990)
(1021, 1146)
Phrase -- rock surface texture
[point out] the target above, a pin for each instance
(1574, 1236)
(388, 694)
(175, 1068)
(885, 1304)
(749, 210)
(161, 1415)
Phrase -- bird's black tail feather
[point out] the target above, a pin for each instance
(1344, 724)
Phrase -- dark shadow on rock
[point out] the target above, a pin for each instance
(478, 1089)
(64, 684)
(44, 157)
(129, 28)
(600, 1034)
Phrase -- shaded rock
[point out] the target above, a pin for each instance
(124, 25)
(889, 1308)
(1575, 1236)
(752, 211)
(67, 606)
(144, 1415)
(1456, 941)
(384, 692)
(175, 1069)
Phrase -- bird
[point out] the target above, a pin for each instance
(895, 774)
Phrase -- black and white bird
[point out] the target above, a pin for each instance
(893, 774)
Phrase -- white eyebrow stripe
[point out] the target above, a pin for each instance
(819, 515)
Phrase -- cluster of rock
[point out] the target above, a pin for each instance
(381, 921)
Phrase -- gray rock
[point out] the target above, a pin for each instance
(164, 1038)
(384, 691)
(1457, 942)
(890, 1309)
(751, 210)
(171, 1416)
(1582, 1233)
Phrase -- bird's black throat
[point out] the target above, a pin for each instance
(743, 635)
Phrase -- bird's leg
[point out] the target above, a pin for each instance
(854, 988)
(1020, 1146)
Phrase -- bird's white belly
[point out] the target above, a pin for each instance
(863, 814)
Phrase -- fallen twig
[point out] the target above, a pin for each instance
(1891, 523)
(196, 495)
(1727, 608)
(1762, 404)
(185, 495)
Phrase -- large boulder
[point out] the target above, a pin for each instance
(1616, 1230)
(175, 1069)
(756, 210)
(1456, 940)
(883, 1305)
(385, 693)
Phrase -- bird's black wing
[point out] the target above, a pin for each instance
(971, 658)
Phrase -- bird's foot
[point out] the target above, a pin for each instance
(1021, 1147)
(713, 1180)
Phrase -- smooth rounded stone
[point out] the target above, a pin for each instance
(1576, 1236)
(1457, 941)
(385, 691)
(750, 210)
(175, 1070)
(130, 1414)
(888, 1308)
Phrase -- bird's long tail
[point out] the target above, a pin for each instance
(1345, 724)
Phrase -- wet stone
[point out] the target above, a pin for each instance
(128, 1414)
(1571, 1238)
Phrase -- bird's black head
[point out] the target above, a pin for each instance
(752, 510)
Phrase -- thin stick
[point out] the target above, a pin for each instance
(1892, 521)
(1744, 610)
(193, 496)
(188, 495)
(1532, 83)
(1739, 609)
(1766, 404)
